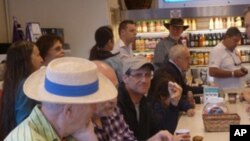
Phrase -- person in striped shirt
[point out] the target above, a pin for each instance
(68, 88)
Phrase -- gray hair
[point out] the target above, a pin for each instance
(176, 51)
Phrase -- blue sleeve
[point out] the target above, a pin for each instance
(23, 105)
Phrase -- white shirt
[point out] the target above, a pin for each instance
(222, 58)
(125, 51)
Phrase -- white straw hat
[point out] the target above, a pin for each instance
(69, 80)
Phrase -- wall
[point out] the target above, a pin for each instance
(3, 25)
(78, 18)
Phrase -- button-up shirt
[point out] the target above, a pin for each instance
(114, 128)
(162, 50)
(34, 128)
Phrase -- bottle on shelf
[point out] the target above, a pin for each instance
(158, 26)
(224, 23)
(216, 23)
(228, 22)
(196, 40)
(211, 24)
(206, 40)
(220, 23)
(151, 26)
(184, 40)
(201, 40)
(138, 27)
(193, 24)
(144, 26)
(162, 26)
(232, 21)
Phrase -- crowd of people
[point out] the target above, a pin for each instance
(113, 95)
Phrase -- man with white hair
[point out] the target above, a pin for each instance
(68, 89)
(176, 66)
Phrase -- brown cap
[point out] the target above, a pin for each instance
(176, 22)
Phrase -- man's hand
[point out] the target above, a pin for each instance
(190, 112)
(175, 92)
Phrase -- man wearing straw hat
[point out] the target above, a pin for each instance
(176, 27)
(68, 89)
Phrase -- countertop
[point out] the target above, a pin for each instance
(196, 127)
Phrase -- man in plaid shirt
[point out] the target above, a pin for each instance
(108, 121)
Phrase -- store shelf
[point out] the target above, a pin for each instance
(165, 34)
(152, 34)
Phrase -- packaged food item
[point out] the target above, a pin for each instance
(182, 131)
(215, 105)
(232, 98)
(197, 138)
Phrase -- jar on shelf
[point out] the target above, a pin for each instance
(215, 105)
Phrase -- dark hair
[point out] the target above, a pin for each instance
(159, 87)
(123, 25)
(45, 42)
(18, 66)
(232, 31)
(102, 36)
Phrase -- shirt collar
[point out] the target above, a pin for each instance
(175, 65)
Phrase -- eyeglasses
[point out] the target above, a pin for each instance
(147, 75)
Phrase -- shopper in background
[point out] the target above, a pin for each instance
(23, 58)
(164, 96)
(108, 121)
(161, 54)
(247, 21)
(104, 39)
(68, 89)
(247, 26)
(50, 47)
(224, 62)
(127, 33)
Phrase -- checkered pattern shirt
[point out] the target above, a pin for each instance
(114, 128)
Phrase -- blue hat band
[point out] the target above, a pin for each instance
(71, 91)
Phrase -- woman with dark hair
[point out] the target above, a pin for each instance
(23, 58)
(50, 47)
(164, 96)
(104, 38)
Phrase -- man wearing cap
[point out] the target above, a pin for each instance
(137, 73)
(109, 122)
(68, 89)
(161, 53)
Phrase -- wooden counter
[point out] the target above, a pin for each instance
(196, 127)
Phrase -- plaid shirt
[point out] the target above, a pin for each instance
(114, 128)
